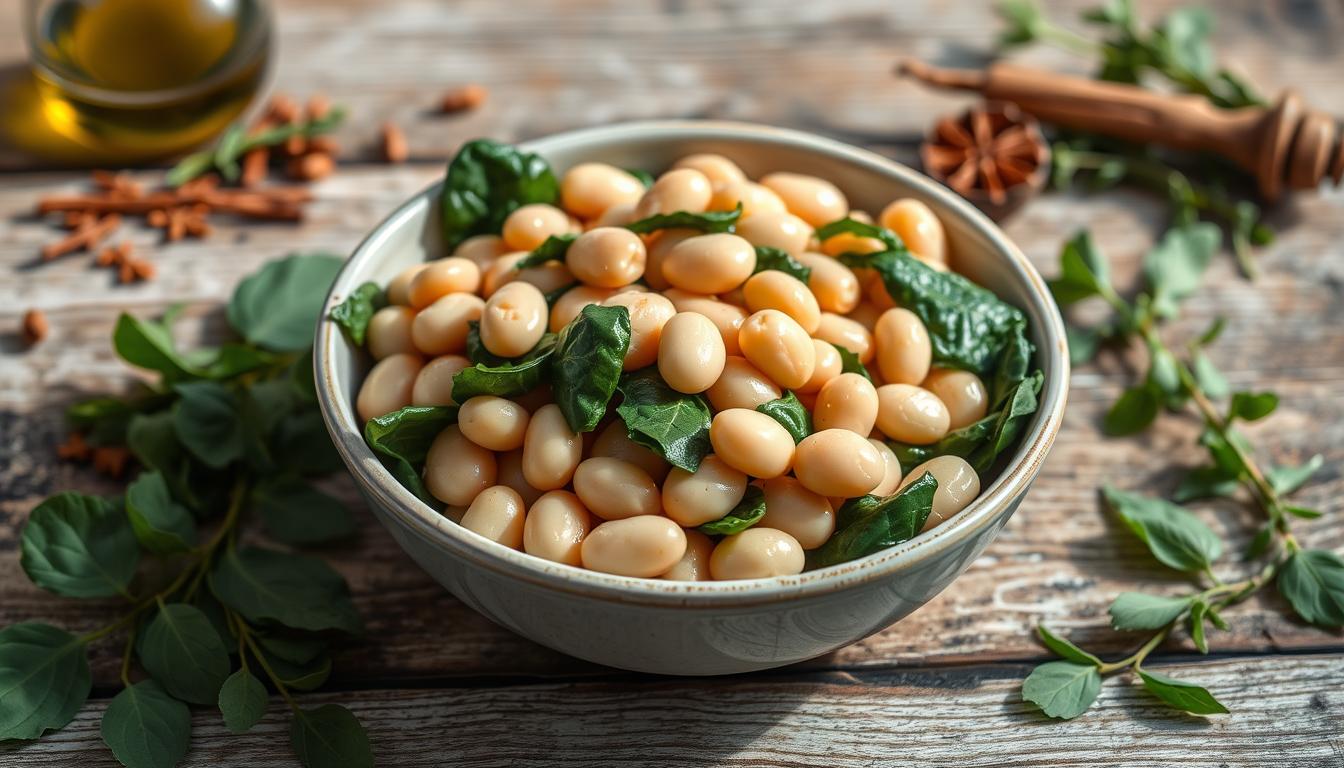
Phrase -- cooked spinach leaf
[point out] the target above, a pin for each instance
(868, 524)
(402, 439)
(747, 513)
(790, 414)
(969, 326)
(553, 249)
(586, 365)
(778, 259)
(981, 443)
(849, 362)
(506, 378)
(354, 313)
(709, 221)
(644, 176)
(486, 182)
(862, 229)
(672, 424)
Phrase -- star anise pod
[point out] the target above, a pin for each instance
(992, 154)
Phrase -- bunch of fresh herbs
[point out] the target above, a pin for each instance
(1178, 50)
(224, 436)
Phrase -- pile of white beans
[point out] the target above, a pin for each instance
(512, 471)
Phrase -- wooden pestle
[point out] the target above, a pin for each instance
(1286, 144)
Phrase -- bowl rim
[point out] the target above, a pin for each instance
(419, 519)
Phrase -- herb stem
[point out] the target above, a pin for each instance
(126, 656)
(1067, 39)
(246, 635)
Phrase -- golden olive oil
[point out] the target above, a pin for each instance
(148, 77)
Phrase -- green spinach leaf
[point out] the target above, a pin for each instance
(146, 728)
(295, 512)
(486, 181)
(277, 307)
(1176, 538)
(507, 378)
(353, 314)
(747, 513)
(778, 259)
(183, 652)
(401, 440)
(862, 229)
(790, 414)
(589, 355)
(44, 679)
(849, 362)
(708, 221)
(868, 524)
(330, 737)
(672, 424)
(79, 546)
(296, 591)
(553, 249)
(242, 701)
(161, 524)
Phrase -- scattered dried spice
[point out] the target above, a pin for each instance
(393, 144)
(987, 154)
(35, 326)
(465, 98)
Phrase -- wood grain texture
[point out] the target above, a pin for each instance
(1287, 712)
(435, 673)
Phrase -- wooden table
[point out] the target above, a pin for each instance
(437, 684)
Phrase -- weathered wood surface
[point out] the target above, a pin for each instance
(431, 665)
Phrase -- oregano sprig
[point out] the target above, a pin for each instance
(1311, 580)
(223, 436)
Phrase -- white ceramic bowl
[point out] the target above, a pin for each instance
(701, 628)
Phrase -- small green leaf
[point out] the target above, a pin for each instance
(672, 424)
(353, 314)
(183, 652)
(861, 229)
(44, 679)
(207, 419)
(1306, 513)
(295, 649)
(1176, 538)
(849, 362)
(790, 414)
(553, 249)
(506, 378)
(1209, 378)
(1162, 371)
(1212, 333)
(1083, 343)
(330, 737)
(294, 512)
(1184, 696)
(708, 221)
(1062, 689)
(1175, 266)
(1135, 610)
(401, 440)
(1251, 406)
(1197, 613)
(1260, 542)
(1204, 483)
(780, 260)
(242, 701)
(296, 591)
(79, 546)
(1134, 411)
(586, 366)
(149, 345)
(146, 728)
(1064, 648)
(277, 307)
(1285, 479)
(162, 525)
(305, 676)
(1312, 581)
(1083, 271)
(747, 513)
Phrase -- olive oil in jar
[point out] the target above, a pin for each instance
(146, 78)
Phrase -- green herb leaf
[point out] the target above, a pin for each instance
(401, 439)
(586, 366)
(295, 649)
(1023, 21)
(868, 524)
(44, 679)
(277, 307)
(1197, 613)
(146, 728)
(1083, 271)
(1065, 649)
(162, 525)
(79, 546)
(968, 325)
(242, 701)
(747, 513)
(1175, 266)
(708, 222)
(1083, 343)
(296, 591)
(509, 378)
(206, 418)
(672, 424)
(1184, 696)
(1225, 454)
(1205, 483)
(780, 260)
(1312, 581)
(183, 652)
(553, 249)
(790, 414)
(153, 441)
(353, 314)
(149, 345)
(644, 176)
(1305, 513)
(295, 512)
(1176, 538)
(1134, 411)
(1207, 375)
(1062, 689)
(304, 676)
(1284, 479)
(861, 229)
(1252, 406)
(486, 181)
(103, 420)
(330, 737)
(1135, 610)
(849, 362)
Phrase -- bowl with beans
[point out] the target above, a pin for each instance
(690, 397)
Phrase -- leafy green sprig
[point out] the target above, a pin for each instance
(1312, 581)
(226, 155)
(225, 435)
